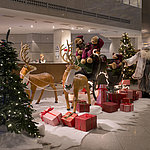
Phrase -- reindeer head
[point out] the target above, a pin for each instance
(26, 69)
(69, 57)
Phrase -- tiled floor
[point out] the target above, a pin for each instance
(137, 137)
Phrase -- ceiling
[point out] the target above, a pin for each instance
(24, 22)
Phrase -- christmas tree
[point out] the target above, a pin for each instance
(15, 108)
(127, 50)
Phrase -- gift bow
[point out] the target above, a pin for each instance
(46, 111)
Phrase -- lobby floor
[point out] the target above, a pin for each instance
(137, 136)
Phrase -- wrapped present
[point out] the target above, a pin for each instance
(116, 97)
(69, 119)
(125, 82)
(86, 122)
(125, 100)
(83, 107)
(102, 94)
(109, 107)
(127, 107)
(131, 94)
(51, 116)
(139, 93)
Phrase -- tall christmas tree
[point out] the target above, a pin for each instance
(127, 50)
(15, 112)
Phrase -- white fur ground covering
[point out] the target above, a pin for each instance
(64, 137)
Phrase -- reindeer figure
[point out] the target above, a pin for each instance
(72, 82)
(33, 81)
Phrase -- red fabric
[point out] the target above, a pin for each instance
(69, 119)
(109, 107)
(86, 122)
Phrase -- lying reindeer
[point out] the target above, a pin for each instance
(33, 81)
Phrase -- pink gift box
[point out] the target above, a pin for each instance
(139, 93)
(127, 107)
(52, 117)
(102, 94)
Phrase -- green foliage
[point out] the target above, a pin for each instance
(127, 50)
(15, 112)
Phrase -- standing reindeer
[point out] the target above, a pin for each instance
(72, 82)
(33, 81)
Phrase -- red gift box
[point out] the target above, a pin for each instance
(83, 107)
(109, 107)
(86, 122)
(125, 82)
(139, 93)
(127, 107)
(69, 119)
(116, 97)
(125, 100)
(102, 94)
(51, 116)
(131, 94)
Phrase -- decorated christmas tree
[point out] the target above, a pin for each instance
(127, 50)
(15, 108)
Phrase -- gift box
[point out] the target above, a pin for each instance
(131, 94)
(86, 122)
(125, 82)
(125, 100)
(83, 107)
(69, 119)
(102, 94)
(51, 116)
(116, 97)
(127, 107)
(109, 107)
(139, 93)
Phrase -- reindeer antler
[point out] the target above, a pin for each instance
(24, 53)
(68, 53)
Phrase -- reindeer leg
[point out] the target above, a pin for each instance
(38, 101)
(55, 92)
(33, 89)
(28, 92)
(88, 93)
(75, 99)
(67, 100)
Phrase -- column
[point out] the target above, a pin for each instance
(60, 37)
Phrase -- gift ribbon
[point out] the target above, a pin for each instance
(48, 111)
(69, 116)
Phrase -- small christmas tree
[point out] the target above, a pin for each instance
(127, 50)
(15, 108)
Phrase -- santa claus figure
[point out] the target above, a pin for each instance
(142, 71)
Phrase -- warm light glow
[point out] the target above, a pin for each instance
(89, 30)
(31, 26)
(53, 27)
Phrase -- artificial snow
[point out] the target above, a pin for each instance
(63, 137)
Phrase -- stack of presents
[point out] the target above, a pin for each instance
(84, 122)
(122, 99)
(110, 102)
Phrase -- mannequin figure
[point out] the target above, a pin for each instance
(142, 71)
